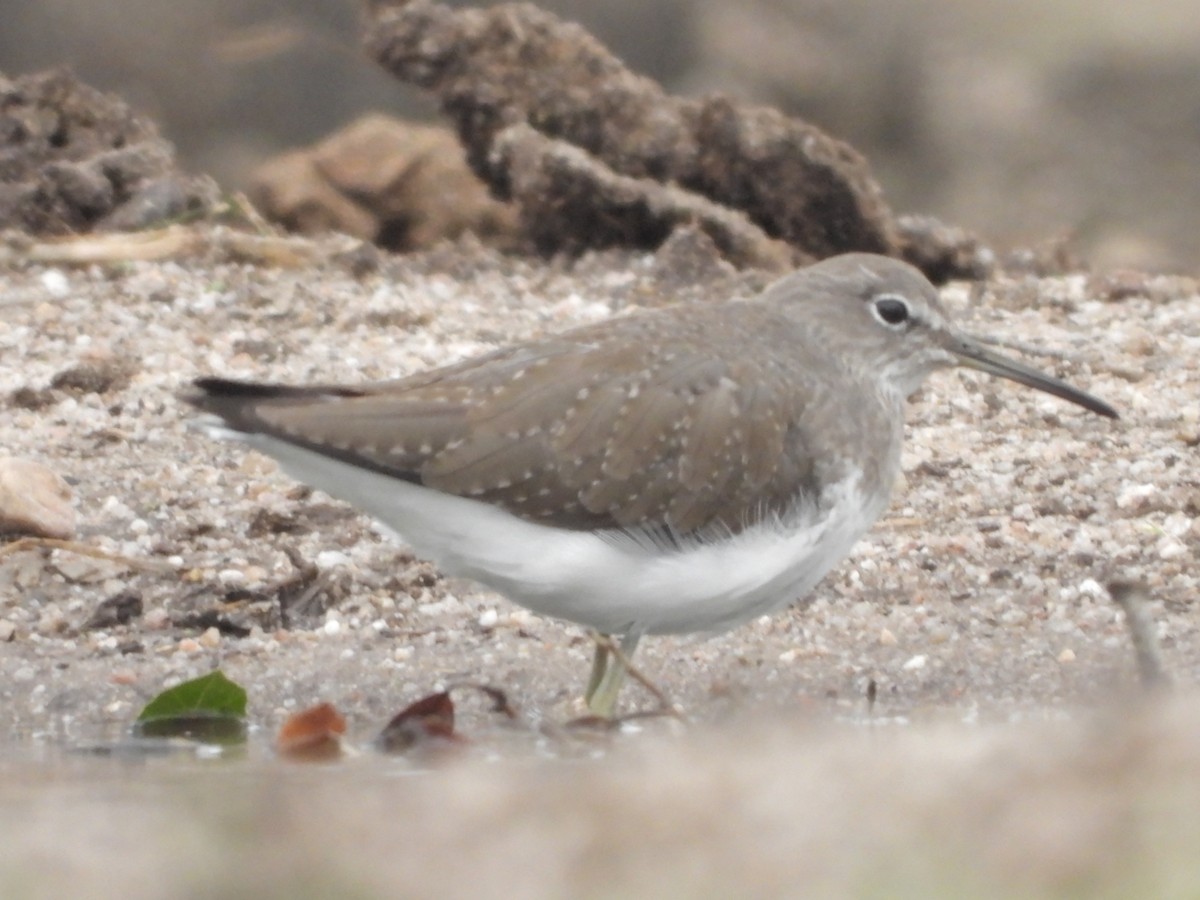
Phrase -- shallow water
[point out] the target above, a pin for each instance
(1099, 802)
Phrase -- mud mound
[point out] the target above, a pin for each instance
(74, 159)
(546, 112)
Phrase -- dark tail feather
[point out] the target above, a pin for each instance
(237, 402)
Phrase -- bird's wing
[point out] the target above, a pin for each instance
(629, 426)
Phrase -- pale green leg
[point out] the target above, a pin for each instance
(599, 664)
(607, 676)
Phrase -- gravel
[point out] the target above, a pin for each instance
(981, 594)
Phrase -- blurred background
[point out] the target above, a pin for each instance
(1027, 122)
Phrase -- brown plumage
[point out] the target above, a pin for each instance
(684, 419)
(681, 419)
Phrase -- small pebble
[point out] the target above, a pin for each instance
(332, 559)
(211, 638)
(1170, 548)
(116, 508)
(231, 576)
(916, 662)
(45, 313)
(55, 283)
(255, 574)
(156, 619)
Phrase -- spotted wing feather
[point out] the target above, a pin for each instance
(655, 422)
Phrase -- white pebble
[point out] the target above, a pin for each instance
(55, 283)
(1131, 494)
(916, 662)
(1170, 548)
(1177, 524)
(114, 507)
(331, 559)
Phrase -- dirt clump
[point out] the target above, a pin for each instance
(74, 159)
(531, 93)
(401, 185)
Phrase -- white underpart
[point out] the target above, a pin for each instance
(616, 586)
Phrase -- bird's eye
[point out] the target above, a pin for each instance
(890, 310)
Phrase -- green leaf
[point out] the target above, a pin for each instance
(205, 728)
(211, 695)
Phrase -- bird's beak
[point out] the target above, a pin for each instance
(969, 352)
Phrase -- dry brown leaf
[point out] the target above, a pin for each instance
(423, 724)
(312, 735)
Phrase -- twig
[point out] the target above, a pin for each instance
(161, 243)
(180, 241)
(32, 543)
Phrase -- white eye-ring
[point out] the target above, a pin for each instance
(891, 310)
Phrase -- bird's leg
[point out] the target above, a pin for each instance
(609, 665)
(600, 655)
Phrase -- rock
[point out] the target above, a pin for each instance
(401, 185)
(34, 500)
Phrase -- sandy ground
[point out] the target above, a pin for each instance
(977, 603)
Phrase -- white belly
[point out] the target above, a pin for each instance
(611, 582)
